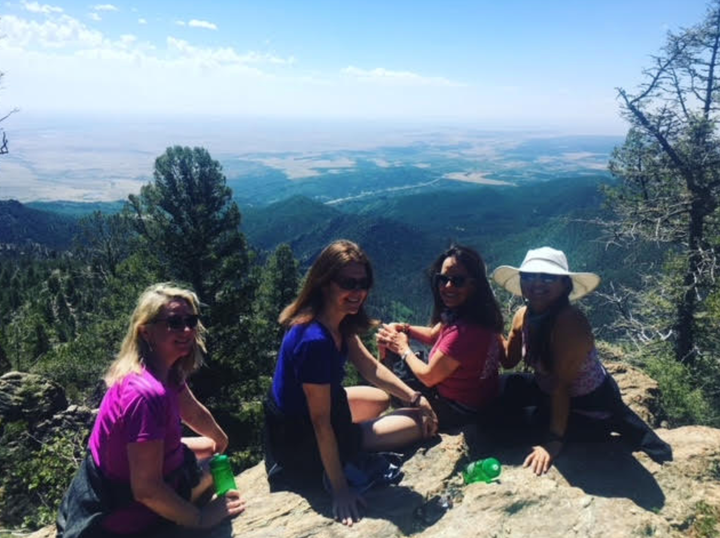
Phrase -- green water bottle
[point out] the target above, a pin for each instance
(222, 474)
(485, 470)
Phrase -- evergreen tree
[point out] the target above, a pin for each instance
(277, 287)
(188, 216)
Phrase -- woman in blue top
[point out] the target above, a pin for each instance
(312, 422)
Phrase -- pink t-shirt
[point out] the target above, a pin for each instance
(137, 409)
(477, 349)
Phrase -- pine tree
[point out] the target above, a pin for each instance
(188, 216)
(277, 287)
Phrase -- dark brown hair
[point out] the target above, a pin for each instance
(481, 307)
(309, 302)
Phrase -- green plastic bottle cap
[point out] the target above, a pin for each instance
(218, 460)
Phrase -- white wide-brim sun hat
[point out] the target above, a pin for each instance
(550, 261)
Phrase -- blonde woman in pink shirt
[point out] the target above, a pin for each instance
(141, 473)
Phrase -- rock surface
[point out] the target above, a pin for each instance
(594, 490)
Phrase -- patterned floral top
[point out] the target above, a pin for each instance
(590, 376)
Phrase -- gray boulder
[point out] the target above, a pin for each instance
(29, 397)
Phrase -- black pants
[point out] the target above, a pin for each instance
(521, 391)
(292, 457)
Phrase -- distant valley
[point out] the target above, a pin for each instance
(499, 192)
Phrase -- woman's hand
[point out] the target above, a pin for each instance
(428, 419)
(230, 505)
(345, 506)
(389, 337)
(541, 458)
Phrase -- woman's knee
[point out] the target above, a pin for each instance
(367, 403)
(203, 447)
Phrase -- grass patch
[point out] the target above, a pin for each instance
(704, 522)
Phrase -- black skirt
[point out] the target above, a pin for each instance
(292, 456)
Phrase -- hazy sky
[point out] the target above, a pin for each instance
(502, 63)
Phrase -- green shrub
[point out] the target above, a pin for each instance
(39, 479)
(682, 398)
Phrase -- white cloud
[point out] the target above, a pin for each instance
(94, 16)
(380, 74)
(194, 23)
(180, 23)
(142, 21)
(36, 7)
(261, 57)
(223, 55)
(90, 71)
(105, 7)
(61, 32)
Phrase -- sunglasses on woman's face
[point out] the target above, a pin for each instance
(178, 323)
(458, 281)
(545, 278)
(352, 284)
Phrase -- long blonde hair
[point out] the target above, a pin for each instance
(309, 302)
(134, 351)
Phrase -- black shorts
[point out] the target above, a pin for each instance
(450, 414)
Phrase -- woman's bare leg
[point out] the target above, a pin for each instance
(392, 431)
(206, 482)
(366, 403)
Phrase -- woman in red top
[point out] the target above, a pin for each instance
(461, 376)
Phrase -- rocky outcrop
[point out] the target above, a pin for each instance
(594, 490)
(72, 419)
(34, 413)
(29, 397)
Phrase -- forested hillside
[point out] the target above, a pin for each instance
(23, 226)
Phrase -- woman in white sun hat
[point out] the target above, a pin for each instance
(569, 387)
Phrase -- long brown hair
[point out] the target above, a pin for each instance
(309, 302)
(481, 307)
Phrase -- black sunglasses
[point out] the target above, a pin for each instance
(457, 281)
(178, 323)
(545, 278)
(352, 284)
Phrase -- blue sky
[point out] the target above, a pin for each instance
(513, 63)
